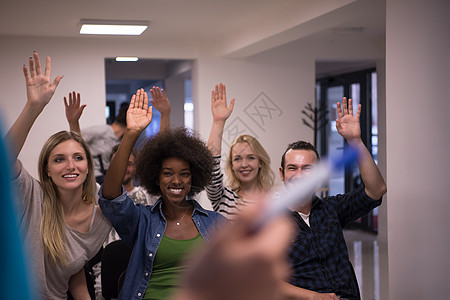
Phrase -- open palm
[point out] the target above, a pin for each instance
(219, 107)
(347, 124)
(139, 115)
(73, 107)
(160, 100)
(40, 89)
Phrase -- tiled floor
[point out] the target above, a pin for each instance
(364, 254)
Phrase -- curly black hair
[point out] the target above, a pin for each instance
(180, 143)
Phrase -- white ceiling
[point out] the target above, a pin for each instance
(236, 27)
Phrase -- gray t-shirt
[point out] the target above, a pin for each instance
(100, 139)
(52, 280)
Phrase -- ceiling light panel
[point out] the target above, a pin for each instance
(109, 27)
(127, 58)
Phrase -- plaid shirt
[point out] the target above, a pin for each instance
(319, 256)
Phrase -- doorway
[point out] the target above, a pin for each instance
(174, 76)
(361, 87)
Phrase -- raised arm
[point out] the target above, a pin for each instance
(40, 90)
(162, 104)
(74, 110)
(221, 112)
(348, 127)
(139, 115)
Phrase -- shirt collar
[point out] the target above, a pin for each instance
(197, 206)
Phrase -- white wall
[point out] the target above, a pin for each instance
(418, 167)
(81, 61)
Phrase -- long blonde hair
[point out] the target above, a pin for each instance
(52, 221)
(265, 176)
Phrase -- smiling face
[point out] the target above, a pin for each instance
(297, 163)
(175, 180)
(245, 163)
(67, 165)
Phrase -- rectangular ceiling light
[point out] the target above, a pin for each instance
(126, 58)
(110, 27)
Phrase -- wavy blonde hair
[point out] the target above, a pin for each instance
(265, 177)
(52, 222)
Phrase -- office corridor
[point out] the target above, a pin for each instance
(365, 253)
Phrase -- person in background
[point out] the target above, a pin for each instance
(321, 268)
(60, 221)
(247, 167)
(175, 165)
(138, 194)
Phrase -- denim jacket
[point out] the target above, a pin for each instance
(142, 227)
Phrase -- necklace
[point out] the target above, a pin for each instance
(178, 223)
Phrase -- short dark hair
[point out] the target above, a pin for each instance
(299, 145)
(121, 117)
(179, 143)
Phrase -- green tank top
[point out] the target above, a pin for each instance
(168, 265)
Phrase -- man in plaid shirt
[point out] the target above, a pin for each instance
(321, 268)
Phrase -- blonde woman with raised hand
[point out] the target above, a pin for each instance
(249, 177)
(61, 224)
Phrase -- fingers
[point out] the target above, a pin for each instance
(56, 81)
(339, 110)
(48, 67)
(150, 113)
(139, 98)
(358, 112)
(32, 69)
(132, 101)
(65, 103)
(212, 95)
(345, 107)
(145, 102)
(25, 73)
(224, 92)
(219, 93)
(37, 63)
(350, 107)
(74, 99)
(232, 104)
(216, 92)
(155, 92)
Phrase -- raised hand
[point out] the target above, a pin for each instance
(40, 89)
(219, 107)
(74, 109)
(139, 114)
(160, 100)
(347, 124)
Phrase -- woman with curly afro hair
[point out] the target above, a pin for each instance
(174, 164)
(180, 143)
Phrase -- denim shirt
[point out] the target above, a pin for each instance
(142, 227)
